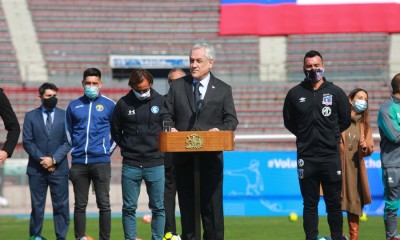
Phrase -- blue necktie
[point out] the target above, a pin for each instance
(49, 121)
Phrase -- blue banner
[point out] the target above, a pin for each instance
(266, 184)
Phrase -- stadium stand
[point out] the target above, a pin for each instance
(9, 72)
(75, 35)
(348, 57)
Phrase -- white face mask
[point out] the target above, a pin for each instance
(142, 96)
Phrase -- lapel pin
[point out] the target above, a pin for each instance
(212, 87)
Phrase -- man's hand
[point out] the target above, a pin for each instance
(173, 130)
(46, 162)
(214, 130)
(3, 156)
(51, 169)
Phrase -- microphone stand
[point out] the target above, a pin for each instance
(199, 106)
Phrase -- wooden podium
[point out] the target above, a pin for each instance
(196, 141)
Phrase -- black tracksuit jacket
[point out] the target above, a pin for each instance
(317, 118)
(135, 126)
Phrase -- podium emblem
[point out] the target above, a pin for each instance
(194, 141)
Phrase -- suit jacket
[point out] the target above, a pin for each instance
(38, 143)
(218, 110)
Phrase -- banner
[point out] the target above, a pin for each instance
(283, 17)
(266, 184)
(148, 62)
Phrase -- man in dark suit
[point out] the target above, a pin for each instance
(200, 102)
(170, 186)
(45, 141)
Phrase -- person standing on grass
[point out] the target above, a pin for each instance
(45, 141)
(11, 124)
(170, 185)
(389, 130)
(135, 127)
(317, 112)
(356, 143)
(88, 122)
(200, 102)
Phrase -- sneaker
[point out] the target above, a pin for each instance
(3, 202)
(397, 237)
(37, 238)
(323, 238)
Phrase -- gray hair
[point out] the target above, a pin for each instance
(176, 70)
(208, 49)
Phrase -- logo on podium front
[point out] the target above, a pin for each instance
(194, 141)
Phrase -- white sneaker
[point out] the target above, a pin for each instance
(3, 202)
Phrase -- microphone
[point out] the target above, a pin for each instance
(199, 106)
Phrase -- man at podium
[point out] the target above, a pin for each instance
(200, 102)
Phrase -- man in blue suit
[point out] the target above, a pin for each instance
(45, 141)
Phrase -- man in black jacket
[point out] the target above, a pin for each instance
(134, 127)
(316, 112)
(13, 130)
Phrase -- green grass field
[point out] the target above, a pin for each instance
(254, 228)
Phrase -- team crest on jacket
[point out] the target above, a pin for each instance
(155, 109)
(99, 107)
(327, 99)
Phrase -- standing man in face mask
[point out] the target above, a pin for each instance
(388, 123)
(88, 122)
(135, 127)
(45, 141)
(316, 112)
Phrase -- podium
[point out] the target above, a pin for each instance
(196, 141)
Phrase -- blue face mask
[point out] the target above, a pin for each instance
(91, 92)
(360, 105)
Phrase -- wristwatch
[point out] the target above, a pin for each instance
(54, 161)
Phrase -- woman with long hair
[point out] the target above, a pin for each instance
(356, 143)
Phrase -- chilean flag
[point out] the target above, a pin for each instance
(283, 17)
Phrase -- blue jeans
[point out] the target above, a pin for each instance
(99, 174)
(131, 180)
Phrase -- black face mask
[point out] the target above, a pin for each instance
(50, 103)
(314, 75)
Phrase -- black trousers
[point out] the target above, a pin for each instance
(169, 195)
(211, 207)
(81, 175)
(325, 172)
